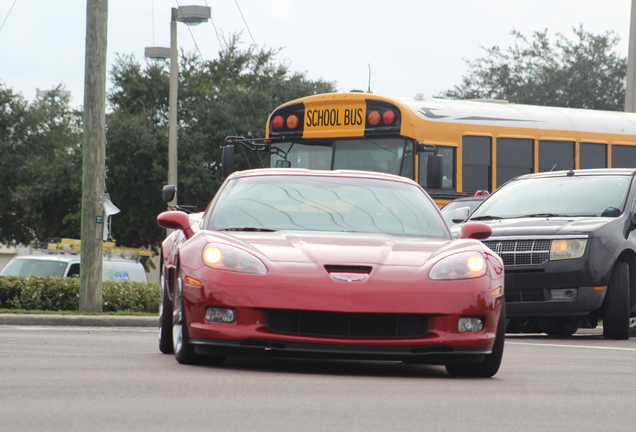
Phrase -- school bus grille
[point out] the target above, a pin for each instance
(521, 252)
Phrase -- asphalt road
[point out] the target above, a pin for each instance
(67, 378)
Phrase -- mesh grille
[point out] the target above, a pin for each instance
(331, 324)
(521, 252)
(527, 295)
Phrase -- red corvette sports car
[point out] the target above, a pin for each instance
(329, 264)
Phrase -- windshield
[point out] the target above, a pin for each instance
(326, 204)
(34, 267)
(557, 196)
(389, 155)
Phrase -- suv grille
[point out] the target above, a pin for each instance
(347, 325)
(521, 252)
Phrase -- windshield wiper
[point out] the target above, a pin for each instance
(487, 217)
(539, 215)
(248, 229)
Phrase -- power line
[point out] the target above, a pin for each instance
(9, 13)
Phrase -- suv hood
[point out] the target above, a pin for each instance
(545, 226)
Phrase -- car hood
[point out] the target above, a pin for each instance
(371, 249)
(546, 226)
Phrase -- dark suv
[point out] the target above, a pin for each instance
(568, 243)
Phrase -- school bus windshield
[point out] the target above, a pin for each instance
(389, 155)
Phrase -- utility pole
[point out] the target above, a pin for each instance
(630, 88)
(93, 156)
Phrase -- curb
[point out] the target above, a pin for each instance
(79, 320)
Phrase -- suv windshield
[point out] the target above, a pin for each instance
(557, 196)
(318, 203)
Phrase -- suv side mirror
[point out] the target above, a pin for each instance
(460, 214)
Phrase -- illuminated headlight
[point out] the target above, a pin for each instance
(567, 249)
(464, 265)
(220, 315)
(470, 324)
(230, 258)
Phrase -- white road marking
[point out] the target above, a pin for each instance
(572, 346)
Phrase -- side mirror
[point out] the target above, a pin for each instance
(476, 230)
(168, 192)
(460, 214)
(227, 160)
(435, 171)
(176, 220)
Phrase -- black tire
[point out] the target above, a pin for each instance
(559, 326)
(491, 363)
(517, 325)
(165, 319)
(616, 305)
(632, 326)
(183, 350)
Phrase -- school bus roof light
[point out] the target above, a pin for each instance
(278, 122)
(389, 117)
(292, 122)
(374, 118)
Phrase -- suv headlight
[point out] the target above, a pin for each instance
(567, 249)
(230, 258)
(464, 265)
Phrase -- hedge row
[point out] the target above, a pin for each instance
(62, 294)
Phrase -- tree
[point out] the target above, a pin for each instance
(231, 95)
(40, 168)
(582, 73)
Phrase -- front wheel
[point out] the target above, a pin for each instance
(491, 363)
(165, 319)
(616, 306)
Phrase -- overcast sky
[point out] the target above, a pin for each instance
(410, 46)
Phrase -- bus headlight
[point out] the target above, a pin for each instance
(567, 249)
(464, 265)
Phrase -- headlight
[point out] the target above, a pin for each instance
(464, 265)
(230, 258)
(567, 249)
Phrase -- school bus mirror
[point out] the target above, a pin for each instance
(227, 160)
(435, 171)
(283, 164)
(168, 192)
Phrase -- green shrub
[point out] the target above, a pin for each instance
(62, 294)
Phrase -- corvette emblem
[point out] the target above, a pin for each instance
(350, 278)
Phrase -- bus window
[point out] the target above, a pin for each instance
(448, 181)
(514, 158)
(623, 156)
(476, 166)
(556, 155)
(298, 155)
(592, 155)
(372, 154)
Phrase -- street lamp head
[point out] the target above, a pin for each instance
(157, 53)
(192, 15)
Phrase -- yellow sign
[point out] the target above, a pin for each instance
(324, 120)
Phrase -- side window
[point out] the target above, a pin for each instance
(623, 156)
(476, 166)
(448, 181)
(592, 155)
(556, 155)
(73, 270)
(514, 158)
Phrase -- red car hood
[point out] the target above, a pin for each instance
(339, 247)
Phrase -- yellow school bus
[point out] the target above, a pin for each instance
(483, 143)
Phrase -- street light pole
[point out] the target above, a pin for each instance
(172, 104)
(190, 15)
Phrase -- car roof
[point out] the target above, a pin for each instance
(67, 258)
(581, 172)
(319, 173)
